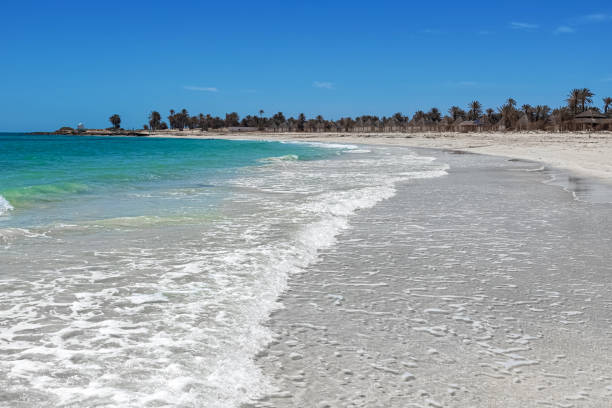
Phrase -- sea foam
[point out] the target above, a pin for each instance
(5, 206)
(287, 157)
(172, 314)
(349, 185)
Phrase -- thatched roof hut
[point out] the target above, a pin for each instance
(469, 125)
(591, 117)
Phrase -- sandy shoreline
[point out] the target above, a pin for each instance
(386, 277)
(458, 291)
(587, 154)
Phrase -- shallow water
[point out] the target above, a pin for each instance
(139, 272)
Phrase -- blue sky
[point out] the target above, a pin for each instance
(69, 61)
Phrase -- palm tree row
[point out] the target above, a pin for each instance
(506, 117)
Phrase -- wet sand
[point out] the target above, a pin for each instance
(483, 288)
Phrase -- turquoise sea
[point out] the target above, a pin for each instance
(139, 272)
(49, 179)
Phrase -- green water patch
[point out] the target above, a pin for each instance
(29, 196)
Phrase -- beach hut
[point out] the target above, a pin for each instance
(608, 114)
(470, 125)
(591, 119)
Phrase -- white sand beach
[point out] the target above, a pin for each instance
(483, 288)
(403, 272)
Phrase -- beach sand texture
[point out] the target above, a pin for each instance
(484, 288)
(378, 275)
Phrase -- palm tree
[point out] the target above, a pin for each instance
(192, 122)
(115, 120)
(542, 112)
(573, 100)
(261, 121)
(319, 123)
(399, 119)
(456, 112)
(579, 98)
(300, 122)
(182, 119)
(475, 110)
(509, 114)
(607, 102)
(172, 119)
(232, 119)
(434, 115)
(529, 111)
(154, 120)
(279, 120)
(586, 97)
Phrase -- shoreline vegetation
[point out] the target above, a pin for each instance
(578, 114)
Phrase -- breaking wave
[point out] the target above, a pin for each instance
(170, 311)
(5, 206)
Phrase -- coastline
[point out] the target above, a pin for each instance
(459, 290)
(584, 153)
(496, 310)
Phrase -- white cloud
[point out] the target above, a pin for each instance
(465, 83)
(570, 27)
(523, 26)
(323, 85)
(564, 30)
(597, 17)
(431, 31)
(201, 88)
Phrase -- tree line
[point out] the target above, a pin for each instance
(508, 116)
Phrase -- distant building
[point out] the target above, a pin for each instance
(470, 125)
(81, 127)
(591, 118)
